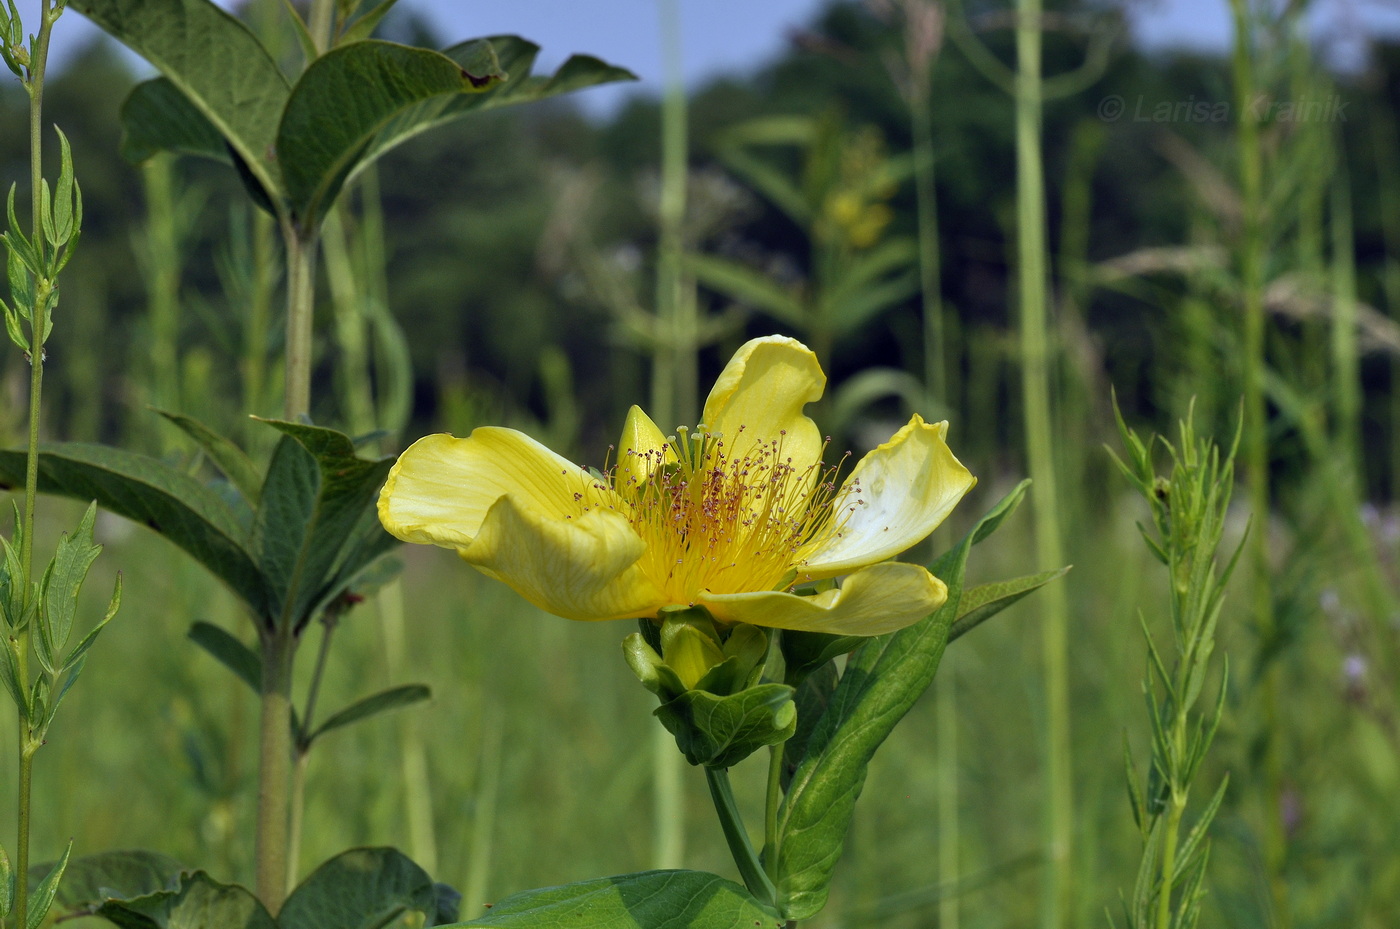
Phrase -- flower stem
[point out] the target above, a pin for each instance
(745, 858)
(270, 850)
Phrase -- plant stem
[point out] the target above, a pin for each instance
(1035, 359)
(737, 837)
(926, 191)
(676, 374)
(274, 769)
(35, 86)
(302, 749)
(301, 301)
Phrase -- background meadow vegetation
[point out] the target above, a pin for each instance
(531, 267)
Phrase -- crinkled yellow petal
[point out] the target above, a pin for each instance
(763, 390)
(908, 486)
(873, 601)
(642, 447)
(440, 490)
(580, 568)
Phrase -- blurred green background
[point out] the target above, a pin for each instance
(503, 270)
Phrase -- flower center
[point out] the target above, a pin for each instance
(727, 523)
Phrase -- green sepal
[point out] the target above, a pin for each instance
(722, 731)
(646, 663)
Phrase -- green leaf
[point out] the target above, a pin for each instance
(10, 676)
(515, 57)
(91, 879)
(812, 698)
(748, 286)
(392, 699)
(363, 888)
(227, 456)
(984, 601)
(87, 641)
(42, 898)
(229, 652)
(317, 494)
(13, 328)
(156, 118)
(881, 682)
(215, 61)
(363, 28)
(7, 877)
(646, 900)
(58, 602)
(346, 97)
(151, 492)
(196, 902)
(722, 731)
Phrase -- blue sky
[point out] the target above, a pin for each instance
(728, 36)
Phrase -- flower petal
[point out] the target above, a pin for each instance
(440, 490)
(876, 600)
(580, 568)
(763, 390)
(909, 485)
(642, 447)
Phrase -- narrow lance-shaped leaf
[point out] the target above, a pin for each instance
(62, 582)
(981, 603)
(229, 652)
(881, 682)
(392, 699)
(42, 898)
(215, 61)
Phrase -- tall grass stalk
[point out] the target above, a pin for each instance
(161, 256)
(1385, 142)
(1252, 252)
(1031, 279)
(674, 382)
(1346, 364)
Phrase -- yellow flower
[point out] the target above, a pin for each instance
(730, 518)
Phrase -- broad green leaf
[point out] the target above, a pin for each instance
(881, 682)
(749, 287)
(316, 494)
(368, 543)
(515, 57)
(151, 492)
(229, 652)
(645, 900)
(722, 731)
(215, 62)
(981, 603)
(227, 456)
(363, 888)
(91, 879)
(346, 97)
(42, 898)
(196, 902)
(392, 699)
(812, 698)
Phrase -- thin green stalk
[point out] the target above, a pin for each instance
(301, 301)
(1036, 380)
(302, 749)
(1346, 366)
(274, 769)
(417, 784)
(348, 298)
(1256, 443)
(674, 382)
(930, 272)
(946, 703)
(162, 249)
(35, 86)
(737, 837)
